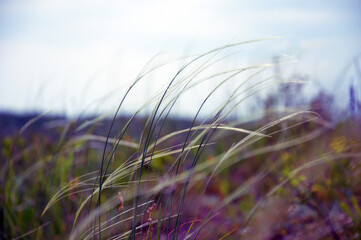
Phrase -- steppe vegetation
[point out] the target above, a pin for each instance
(292, 172)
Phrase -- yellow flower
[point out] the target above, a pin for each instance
(338, 144)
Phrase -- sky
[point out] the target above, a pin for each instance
(77, 56)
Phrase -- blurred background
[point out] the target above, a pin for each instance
(81, 56)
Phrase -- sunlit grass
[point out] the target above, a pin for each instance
(216, 177)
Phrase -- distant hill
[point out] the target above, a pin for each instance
(11, 124)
